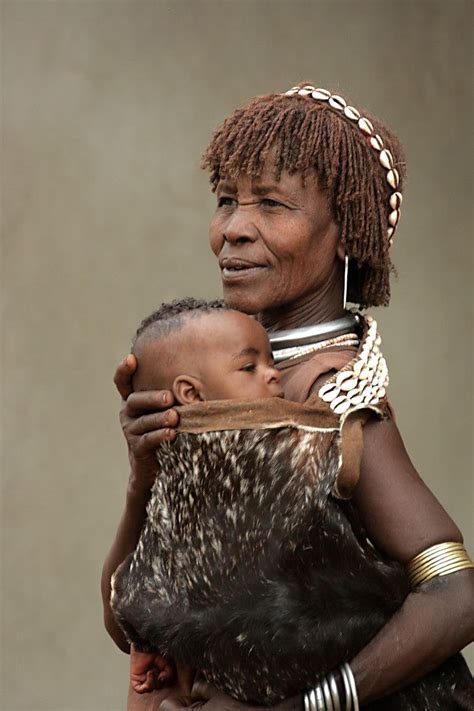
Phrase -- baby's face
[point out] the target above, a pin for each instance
(222, 354)
(234, 358)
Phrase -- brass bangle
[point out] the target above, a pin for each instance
(454, 568)
(434, 559)
(438, 560)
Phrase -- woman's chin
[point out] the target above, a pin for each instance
(246, 303)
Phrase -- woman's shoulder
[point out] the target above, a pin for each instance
(303, 376)
(344, 378)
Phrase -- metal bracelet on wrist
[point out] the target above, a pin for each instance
(325, 696)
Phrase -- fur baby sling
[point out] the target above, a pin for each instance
(252, 566)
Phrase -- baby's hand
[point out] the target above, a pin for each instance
(149, 671)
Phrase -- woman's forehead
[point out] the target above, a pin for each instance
(267, 181)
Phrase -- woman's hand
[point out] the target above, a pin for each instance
(147, 421)
(208, 698)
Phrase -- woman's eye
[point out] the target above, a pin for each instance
(249, 368)
(268, 202)
(226, 202)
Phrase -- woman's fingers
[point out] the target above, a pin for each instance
(146, 400)
(155, 421)
(124, 374)
(145, 430)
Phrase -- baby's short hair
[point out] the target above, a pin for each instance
(172, 315)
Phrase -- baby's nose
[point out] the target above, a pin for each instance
(273, 375)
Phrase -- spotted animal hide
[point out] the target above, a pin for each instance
(249, 569)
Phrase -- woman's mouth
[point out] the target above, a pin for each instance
(238, 269)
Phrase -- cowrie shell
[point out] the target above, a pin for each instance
(365, 125)
(357, 400)
(390, 232)
(386, 159)
(291, 92)
(338, 401)
(329, 392)
(376, 142)
(368, 393)
(304, 92)
(396, 200)
(351, 113)
(341, 377)
(321, 94)
(349, 384)
(357, 367)
(337, 102)
(394, 217)
(374, 361)
(342, 407)
(393, 178)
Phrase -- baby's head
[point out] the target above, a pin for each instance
(201, 350)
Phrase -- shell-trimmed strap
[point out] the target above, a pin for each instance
(351, 448)
(354, 393)
(363, 381)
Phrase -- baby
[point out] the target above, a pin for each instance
(250, 567)
(200, 351)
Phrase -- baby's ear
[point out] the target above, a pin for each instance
(187, 389)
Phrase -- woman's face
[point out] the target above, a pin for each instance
(276, 241)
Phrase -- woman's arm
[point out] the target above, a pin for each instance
(402, 518)
(146, 422)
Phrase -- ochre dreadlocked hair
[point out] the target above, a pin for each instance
(308, 136)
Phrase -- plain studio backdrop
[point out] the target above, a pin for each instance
(106, 109)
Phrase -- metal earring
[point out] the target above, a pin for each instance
(346, 278)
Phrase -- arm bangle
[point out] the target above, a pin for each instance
(441, 559)
(345, 669)
(336, 702)
(325, 696)
(347, 688)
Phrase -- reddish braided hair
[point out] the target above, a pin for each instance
(311, 136)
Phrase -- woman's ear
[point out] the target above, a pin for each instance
(187, 389)
(341, 250)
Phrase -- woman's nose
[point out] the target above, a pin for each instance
(240, 226)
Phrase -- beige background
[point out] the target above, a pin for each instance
(106, 107)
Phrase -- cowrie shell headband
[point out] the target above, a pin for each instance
(376, 142)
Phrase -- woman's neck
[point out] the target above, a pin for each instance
(316, 307)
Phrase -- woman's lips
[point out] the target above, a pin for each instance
(240, 273)
(239, 269)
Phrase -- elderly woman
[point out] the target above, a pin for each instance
(308, 200)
